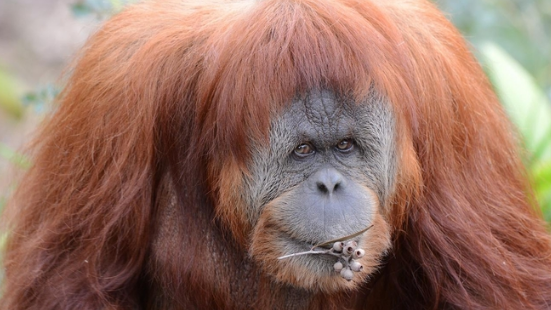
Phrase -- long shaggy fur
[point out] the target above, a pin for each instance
(178, 89)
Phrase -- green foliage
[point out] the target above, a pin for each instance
(42, 98)
(13, 157)
(523, 99)
(101, 8)
(8, 154)
(9, 98)
(542, 181)
(521, 27)
(530, 110)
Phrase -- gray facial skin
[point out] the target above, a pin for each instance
(327, 193)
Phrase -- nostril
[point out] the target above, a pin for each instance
(322, 188)
(337, 185)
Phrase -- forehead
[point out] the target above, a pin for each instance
(322, 115)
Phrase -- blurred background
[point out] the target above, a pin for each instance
(511, 39)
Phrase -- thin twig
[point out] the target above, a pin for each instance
(342, 238)
(309, 252)
(330, 251)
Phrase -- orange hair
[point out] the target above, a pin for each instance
(181, 88)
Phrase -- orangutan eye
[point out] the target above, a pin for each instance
(345, 145)
(304, 150)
